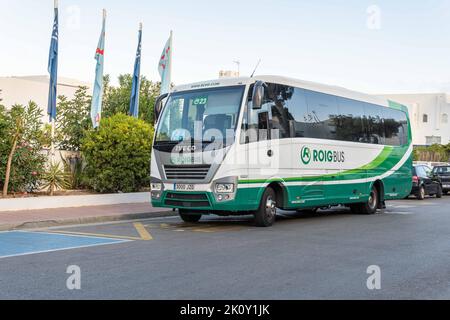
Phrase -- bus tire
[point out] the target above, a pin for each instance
(189, 216)
(370, 206)
(267, 211)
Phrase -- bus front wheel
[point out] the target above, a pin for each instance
(189, 216)
(267, 211)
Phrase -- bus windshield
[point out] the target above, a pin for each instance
(206, 116)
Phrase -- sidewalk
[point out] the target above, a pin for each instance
(10, 220)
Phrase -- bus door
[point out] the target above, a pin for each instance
(259, 145)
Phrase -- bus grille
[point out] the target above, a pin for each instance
(187, 196)
(187, 200)
(191, 172)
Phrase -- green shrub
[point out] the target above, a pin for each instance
(117, 154)
(55, 178)
(23, 138)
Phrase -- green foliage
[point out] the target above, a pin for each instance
(22, 127)
(73, 119)
(117, 99)
(55, 178)
(435, 152)
(117, 154)
(73, 166)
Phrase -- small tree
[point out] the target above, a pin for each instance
(117, 154)
(23, 141)
(117, 99)
(73, 119)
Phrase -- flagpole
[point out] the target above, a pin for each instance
(52, 148)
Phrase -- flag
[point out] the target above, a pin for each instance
(96, 104)
(53, 68)
(135, 88)
(165, 66)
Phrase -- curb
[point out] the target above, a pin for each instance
(85, 220)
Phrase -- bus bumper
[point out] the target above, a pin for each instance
(244, 200)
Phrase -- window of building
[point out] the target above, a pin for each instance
(445, 118)
(433, 140)
(425, 118)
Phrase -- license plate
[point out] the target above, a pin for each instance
(184, 187)
(446, 185)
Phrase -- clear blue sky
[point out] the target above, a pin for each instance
(326, 41)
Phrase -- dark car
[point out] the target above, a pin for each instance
(425, 182)
(443, 172)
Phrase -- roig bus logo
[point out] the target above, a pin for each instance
(306, 155)
(321, 155)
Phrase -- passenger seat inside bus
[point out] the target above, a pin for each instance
(220, 122)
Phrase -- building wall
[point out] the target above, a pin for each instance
(20, 90)
(433, 106)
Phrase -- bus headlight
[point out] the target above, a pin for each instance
(224, 187)
(155, 186)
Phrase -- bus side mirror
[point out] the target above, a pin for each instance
(258, 95)
(159, 105)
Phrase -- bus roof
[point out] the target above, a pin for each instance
(334, 90)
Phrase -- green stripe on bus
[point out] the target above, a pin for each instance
(384, 162)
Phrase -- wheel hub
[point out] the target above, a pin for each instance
(271, 208)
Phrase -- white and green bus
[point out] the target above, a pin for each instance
(252, 145)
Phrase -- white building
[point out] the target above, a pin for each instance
(20, 90)
(429, 114)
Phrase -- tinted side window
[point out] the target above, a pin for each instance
(375, 123)
(255, 124)
(321, 115)
(351, 125)
(393, 127)
(277, 99)
(298, 110)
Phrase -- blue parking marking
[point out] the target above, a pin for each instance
(18, 243)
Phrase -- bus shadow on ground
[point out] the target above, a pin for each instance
(218, 223)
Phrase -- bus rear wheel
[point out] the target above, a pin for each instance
(189, 216)
(370, 206)
(267, 211)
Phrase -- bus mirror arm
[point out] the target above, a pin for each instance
(159, 105)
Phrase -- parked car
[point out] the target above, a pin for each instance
(443, 172)
(425, 182)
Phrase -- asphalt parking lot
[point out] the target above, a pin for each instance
(303, 256)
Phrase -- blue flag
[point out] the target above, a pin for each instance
(135, 88)
(165, 66)
(53, 69)
(97, 96)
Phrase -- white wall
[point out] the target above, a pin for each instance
(20, 90)
(435, 105)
